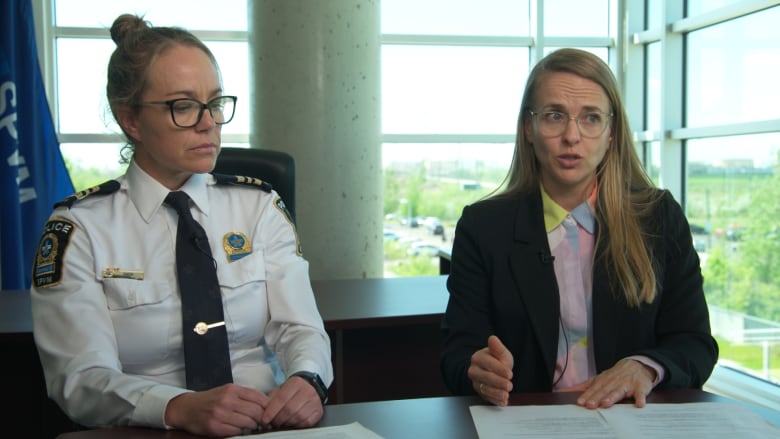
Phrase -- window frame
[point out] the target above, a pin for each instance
(673, 135)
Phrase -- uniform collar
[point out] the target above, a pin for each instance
(147, 194)
(584, 214)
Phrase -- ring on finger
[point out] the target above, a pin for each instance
(481, 391)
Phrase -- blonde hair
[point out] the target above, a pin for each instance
(626, 195)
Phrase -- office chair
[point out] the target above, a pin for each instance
(275, 167)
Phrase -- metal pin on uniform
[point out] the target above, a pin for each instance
(201, 327)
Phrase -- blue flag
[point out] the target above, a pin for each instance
(32, 170)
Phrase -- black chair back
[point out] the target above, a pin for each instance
(275, 167)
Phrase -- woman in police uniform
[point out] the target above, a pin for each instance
(106, 300)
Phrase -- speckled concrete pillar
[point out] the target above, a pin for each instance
(317, 88)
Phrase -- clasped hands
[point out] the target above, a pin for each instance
(491, 375)
(231, 410)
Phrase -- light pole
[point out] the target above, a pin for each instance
(408, 210)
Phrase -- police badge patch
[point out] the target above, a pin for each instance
(236, 246)
(47, 269)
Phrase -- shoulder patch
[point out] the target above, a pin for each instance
(281, 207)
(105, 188)
(243, 181)
(47, 267)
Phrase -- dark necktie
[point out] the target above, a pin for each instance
(206, 354)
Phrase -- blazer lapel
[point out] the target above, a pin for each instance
(534, 275)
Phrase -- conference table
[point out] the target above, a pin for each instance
(439, 417)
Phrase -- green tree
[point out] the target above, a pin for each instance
(744, 275)
(85, 178)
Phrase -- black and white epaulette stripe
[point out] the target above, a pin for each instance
(243, 181)
(105, 188)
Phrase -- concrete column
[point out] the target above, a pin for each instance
(316, 95)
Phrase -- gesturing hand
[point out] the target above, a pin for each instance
(491, 372)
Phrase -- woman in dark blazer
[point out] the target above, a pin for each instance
(580, 275)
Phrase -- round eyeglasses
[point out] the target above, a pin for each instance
(553, 123)
(187, 112)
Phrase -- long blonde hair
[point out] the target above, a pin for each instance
(626, 195)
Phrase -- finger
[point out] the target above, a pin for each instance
(250, 404)
(640, 399)
(499, 397)
(275, 404)
(288, 401)
(604, 397)
(305, 415)
(499, 351)
(481, 372)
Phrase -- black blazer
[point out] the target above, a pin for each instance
(502, 282)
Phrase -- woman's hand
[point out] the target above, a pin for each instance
(226, 410)
(626, 379)
(293, 404)
(491, 372)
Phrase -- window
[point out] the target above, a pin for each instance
(453, 73)
(90, 138)
(711, 132)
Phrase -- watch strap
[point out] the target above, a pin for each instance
(316, 382)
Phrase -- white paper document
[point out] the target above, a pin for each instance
(349, 431)
(670, 421)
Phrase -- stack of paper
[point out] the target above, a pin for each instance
(713, 420)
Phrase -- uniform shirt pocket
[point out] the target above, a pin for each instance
(243, 284)
(143, 314)
(243, 271)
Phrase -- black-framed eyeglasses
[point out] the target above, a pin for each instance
(187, 112)
(590, 123)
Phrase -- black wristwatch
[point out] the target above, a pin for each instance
(316, 382)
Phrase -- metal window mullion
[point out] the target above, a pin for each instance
(454, 40)
(448, 138)
(719, 15)
(736, 129)
(673, 160)
(95, 32)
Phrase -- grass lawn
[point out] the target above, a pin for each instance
(751, 356)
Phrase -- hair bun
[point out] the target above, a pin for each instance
(126, 24)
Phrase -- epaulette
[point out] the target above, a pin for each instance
(243, 181)
(105, 188)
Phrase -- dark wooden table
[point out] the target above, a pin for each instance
(442, 417)
(378, 328)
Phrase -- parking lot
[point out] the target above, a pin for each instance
(420, 234)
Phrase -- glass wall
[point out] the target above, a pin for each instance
(713, 130)
(733, 184)
(453, 74)
(90, 138)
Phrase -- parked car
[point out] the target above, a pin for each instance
(423, 249)
(699, 244)
(734, 232)
(391, 235)
(434, 225)
(408, 240)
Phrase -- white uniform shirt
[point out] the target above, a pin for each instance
(111, 347)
